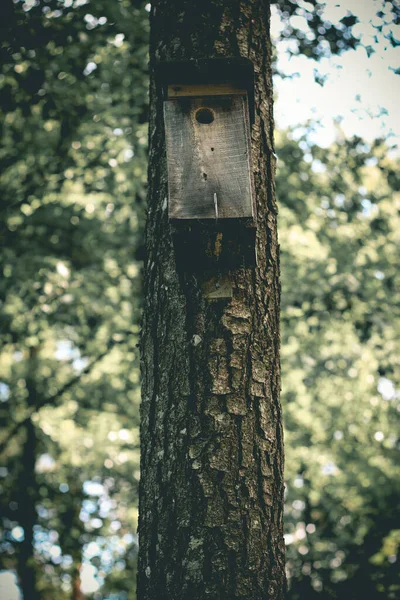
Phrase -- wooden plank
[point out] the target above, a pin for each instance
(208, 155)
(214, 89)
(218, 287)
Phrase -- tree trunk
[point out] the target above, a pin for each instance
(27, 515)
(76, 583)
(211, 496)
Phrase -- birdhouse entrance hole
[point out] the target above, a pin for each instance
(205, 116)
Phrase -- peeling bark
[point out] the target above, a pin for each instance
(211, 495)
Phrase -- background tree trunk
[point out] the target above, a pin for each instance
(27, 515)
(211, 497)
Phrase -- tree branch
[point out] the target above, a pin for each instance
(56, 396)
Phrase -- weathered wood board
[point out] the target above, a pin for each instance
(218, 287)
(208, 155)
(214, 89)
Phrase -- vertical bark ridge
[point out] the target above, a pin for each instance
(211, 498)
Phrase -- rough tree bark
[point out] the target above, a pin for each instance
(211, 496)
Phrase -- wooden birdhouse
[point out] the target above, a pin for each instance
(208, 110)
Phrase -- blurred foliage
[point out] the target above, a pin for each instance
(339, 235)
(73, 160)
(314, 35)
